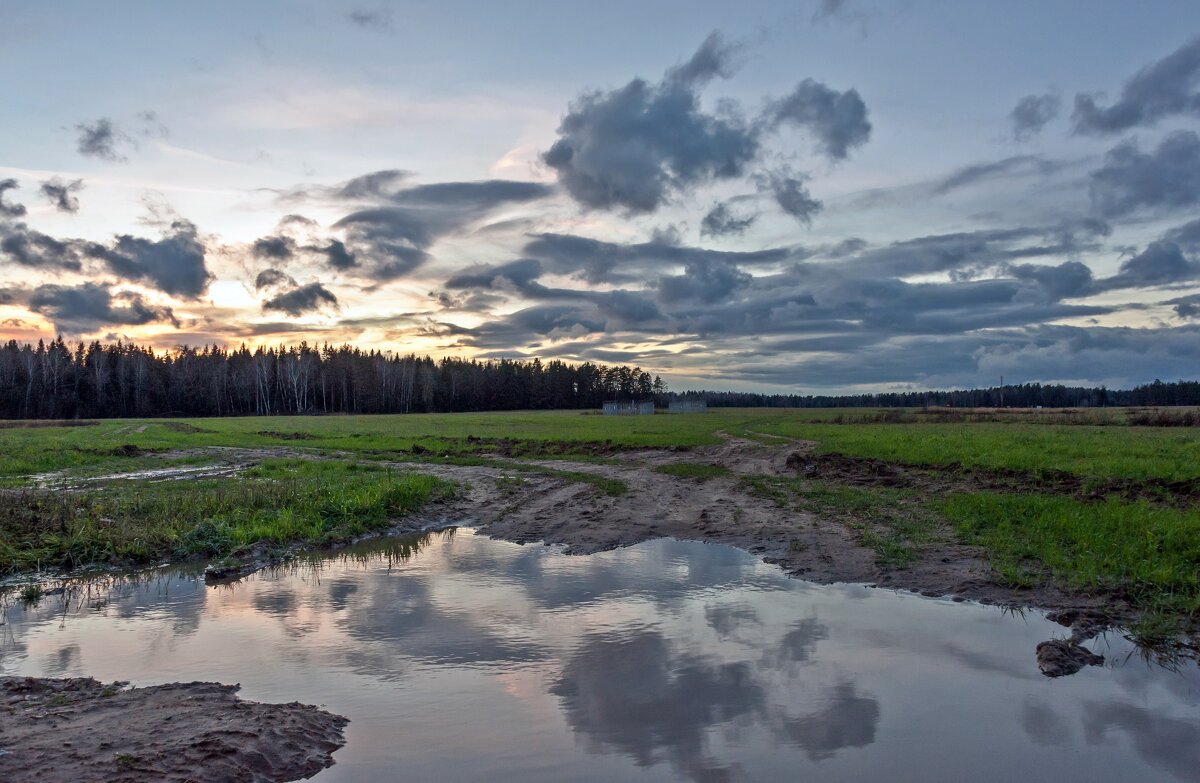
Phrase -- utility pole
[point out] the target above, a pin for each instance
(1001, 391)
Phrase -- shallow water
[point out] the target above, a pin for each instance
(461, 658)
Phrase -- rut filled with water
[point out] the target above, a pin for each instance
(458, 657)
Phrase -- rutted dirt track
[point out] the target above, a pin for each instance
(527, 507)
(721, 510)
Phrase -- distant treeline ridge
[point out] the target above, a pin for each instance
(57, 380)
(61, 381)
(1027, 395)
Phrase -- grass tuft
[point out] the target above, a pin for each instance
(701, 471)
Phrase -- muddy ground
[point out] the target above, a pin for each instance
(725, 510)
(528, 507)
(79, 730)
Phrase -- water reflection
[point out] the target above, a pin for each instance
(1042, 723)
(848, 720)
(469, 659)
(1171, 744)
(631, 693)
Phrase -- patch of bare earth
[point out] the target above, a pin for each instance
(80, 730)
(720, 510)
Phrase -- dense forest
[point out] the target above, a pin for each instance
(60, 381)
(1028, 395)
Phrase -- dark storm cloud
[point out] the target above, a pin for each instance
(1186, 235)
(1066, 280)
(1162, 89)
(274, 248)
(1186, 306)
(336, 255)
(475, 197)
(1032, 113)
(969, 175)
(526, 326)
(393, 238)
(10, 210)
(963, 252)
(174, 264)
(626, 308)
(1161, 263)
(99, 139)
(1167, 178)
(633, 147)
(585, 309)
(62, 194)
(721, 221)
(836, 120)
(515, 274)
(597, 261)
(714, 59)
(703, 281)
(272, 277)
(791, 194)
(296, 220)
(91, 306)
(396, 236)
(302, 299)
(376, 183)
(30, 248)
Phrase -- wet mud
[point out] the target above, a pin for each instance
(82, 730)
(528, 508)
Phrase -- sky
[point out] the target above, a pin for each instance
(830, 196)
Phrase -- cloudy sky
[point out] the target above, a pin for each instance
(831, 195)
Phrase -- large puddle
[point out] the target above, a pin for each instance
(461, 658)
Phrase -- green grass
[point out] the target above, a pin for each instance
(277, 503)
(895, 524)
(701, 471)
(1148, 553)
(1088, 451)
(1146, 550)
(1101, 452)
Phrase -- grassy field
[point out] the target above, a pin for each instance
(1103, 451)
(273, 504)
(1146, 548)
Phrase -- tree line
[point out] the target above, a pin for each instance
(1027, 395)
(57, 380)
(60, 381)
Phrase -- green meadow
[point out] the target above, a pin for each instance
(1144, 547)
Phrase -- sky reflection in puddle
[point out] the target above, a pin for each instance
(461, 658)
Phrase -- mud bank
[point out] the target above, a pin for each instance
(529, 508)
(81, 730)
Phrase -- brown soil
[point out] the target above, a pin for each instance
(723, 510)
(80, 730)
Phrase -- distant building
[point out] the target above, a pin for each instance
(628, 408)
(688, 406)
